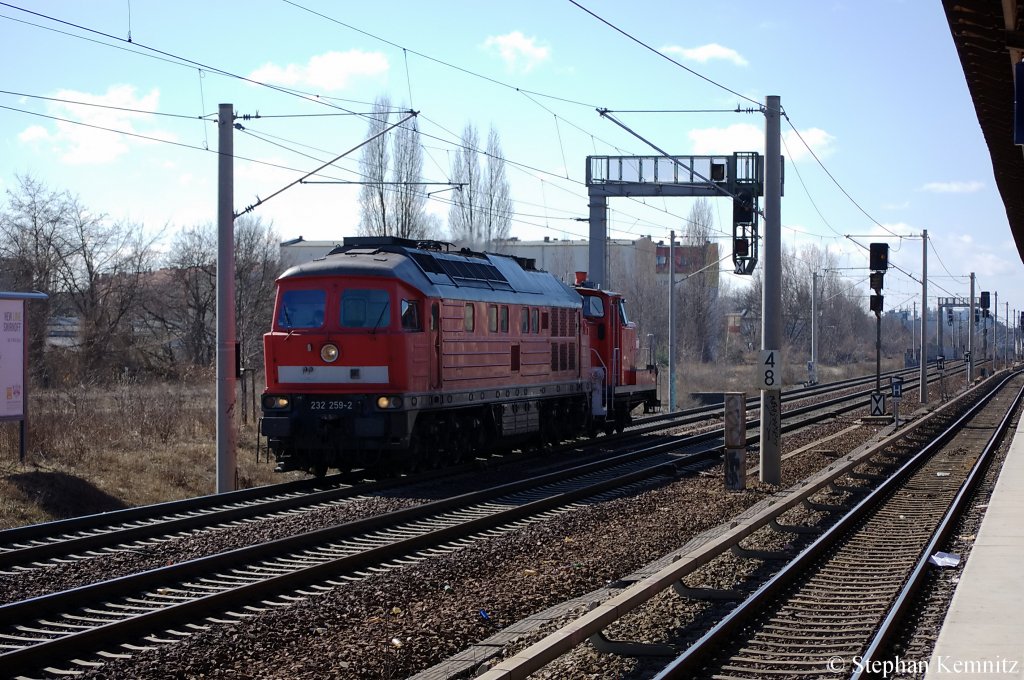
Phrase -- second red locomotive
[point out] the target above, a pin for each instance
(390, 353)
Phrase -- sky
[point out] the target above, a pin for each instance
(874, 88)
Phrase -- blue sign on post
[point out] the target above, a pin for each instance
(897, 387)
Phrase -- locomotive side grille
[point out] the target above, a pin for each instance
(563, 356)
(572, 356)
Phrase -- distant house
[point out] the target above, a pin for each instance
(63, 332)
(690, 259)
(299, 250)
(565, 257)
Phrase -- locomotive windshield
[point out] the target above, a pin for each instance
(302, 309)
(593, 306)
(365, 308)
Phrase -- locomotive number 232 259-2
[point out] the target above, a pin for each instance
(333, 404)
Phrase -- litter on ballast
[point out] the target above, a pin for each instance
(943, 559)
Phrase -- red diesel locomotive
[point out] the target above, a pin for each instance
(390, 353)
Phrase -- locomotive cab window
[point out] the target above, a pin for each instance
(492, 318)
(622, 313)
(302, 309)
(593, 307)
(469, 322)
(524, 320)
(365, 308)
(503, 319)
(411, 315)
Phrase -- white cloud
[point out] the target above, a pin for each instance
(747, 137)
(520, 54)
(32, 134)
(953, 187)
(706, 53)
(82, 145)
(330, 71)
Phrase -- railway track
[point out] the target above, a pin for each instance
(181, 598)
(839, 600)
(139, 528)
(196, 593)
(628, 607)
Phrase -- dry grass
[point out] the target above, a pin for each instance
(95, 449)
(737, 376)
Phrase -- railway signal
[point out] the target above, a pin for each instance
(878, 260)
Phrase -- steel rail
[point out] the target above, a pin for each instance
(576, 632)
(36, 608)
(172, 579)
(956, 509)
(684, 665)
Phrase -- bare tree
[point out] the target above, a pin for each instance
(408, 199)
(698, 294)
(481, 212)
(465, 216)
(392, 200)
(497, 199)
(373, 196)
(181, 303)
(847, 331)
(257, 265)
(31, 241)
(100, 273)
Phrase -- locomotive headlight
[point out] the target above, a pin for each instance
(271, 401)
(389, 402)
(329, 352)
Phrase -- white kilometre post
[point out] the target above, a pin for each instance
(226, 465)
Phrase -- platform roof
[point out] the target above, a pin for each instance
(989, 37)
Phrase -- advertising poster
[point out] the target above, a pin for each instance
(12, 359)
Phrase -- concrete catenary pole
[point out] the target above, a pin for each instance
(226, 466)
(995, 330)
(671, 321)
(771, 300)
(813, 377)
(970, 336)
(923, 389)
